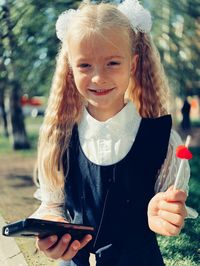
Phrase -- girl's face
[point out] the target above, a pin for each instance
(102, 66)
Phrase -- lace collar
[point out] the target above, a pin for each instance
(124, 123)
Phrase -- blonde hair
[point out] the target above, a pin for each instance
(148, 89)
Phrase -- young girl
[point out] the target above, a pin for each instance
(106, 148)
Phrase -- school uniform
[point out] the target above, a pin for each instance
(114, 197)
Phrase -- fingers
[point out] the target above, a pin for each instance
(53, 248)
(172, 215)
(172, 218)
(175, 195)
(71, 251)
(166, 212)
(63, 248)
(170, 195)
(60, 248)
(46, 243)
(75, 247)
(85, 240)
(170, 229)
(153, 204)
(163, 227)
(173, 207)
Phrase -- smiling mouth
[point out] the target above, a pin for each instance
(101, 91)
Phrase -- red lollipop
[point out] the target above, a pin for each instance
(182, 152)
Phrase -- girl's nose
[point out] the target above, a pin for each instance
(98, 76)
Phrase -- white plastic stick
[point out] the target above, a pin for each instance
(187, 142)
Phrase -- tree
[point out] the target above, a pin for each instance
(176, 32)
(28, 52)
(3, 114)
(3, 82)
(20, 140)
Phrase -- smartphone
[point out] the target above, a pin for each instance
(31, 227)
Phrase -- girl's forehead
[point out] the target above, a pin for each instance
(99, 43)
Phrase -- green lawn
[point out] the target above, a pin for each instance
(32, 128)
(177, 251)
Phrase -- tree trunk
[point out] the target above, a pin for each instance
(20, 140)
(3, 112)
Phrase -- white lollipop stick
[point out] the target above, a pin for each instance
(181, 164)
(187, 142)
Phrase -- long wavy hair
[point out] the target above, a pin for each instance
(148, 88)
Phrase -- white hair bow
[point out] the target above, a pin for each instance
(140, 18)
(62, 23)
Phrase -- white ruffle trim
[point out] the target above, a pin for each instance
(48, 209)
(49, 196)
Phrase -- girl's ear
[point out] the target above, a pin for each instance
(134, 63)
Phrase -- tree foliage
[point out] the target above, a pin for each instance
(27, 55)
(176, 32)
(33, 25)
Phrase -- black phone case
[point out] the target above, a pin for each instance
(31, 227)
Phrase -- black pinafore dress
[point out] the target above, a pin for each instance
(114, 198)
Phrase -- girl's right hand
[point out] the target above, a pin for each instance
(62, 248)
(55, 248)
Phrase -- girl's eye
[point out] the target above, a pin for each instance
(84, 65)
(113, 63)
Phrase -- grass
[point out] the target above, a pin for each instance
(195, 123)
(32, 129)
(181, 250)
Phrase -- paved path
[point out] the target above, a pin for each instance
(10, 254)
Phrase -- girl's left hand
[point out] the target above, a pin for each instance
(166, 212)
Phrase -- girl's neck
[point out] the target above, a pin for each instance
(103, 115)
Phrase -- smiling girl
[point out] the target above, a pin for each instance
(106, 149)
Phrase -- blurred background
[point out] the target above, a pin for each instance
(28, 48)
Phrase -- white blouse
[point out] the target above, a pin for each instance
(108, 142)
